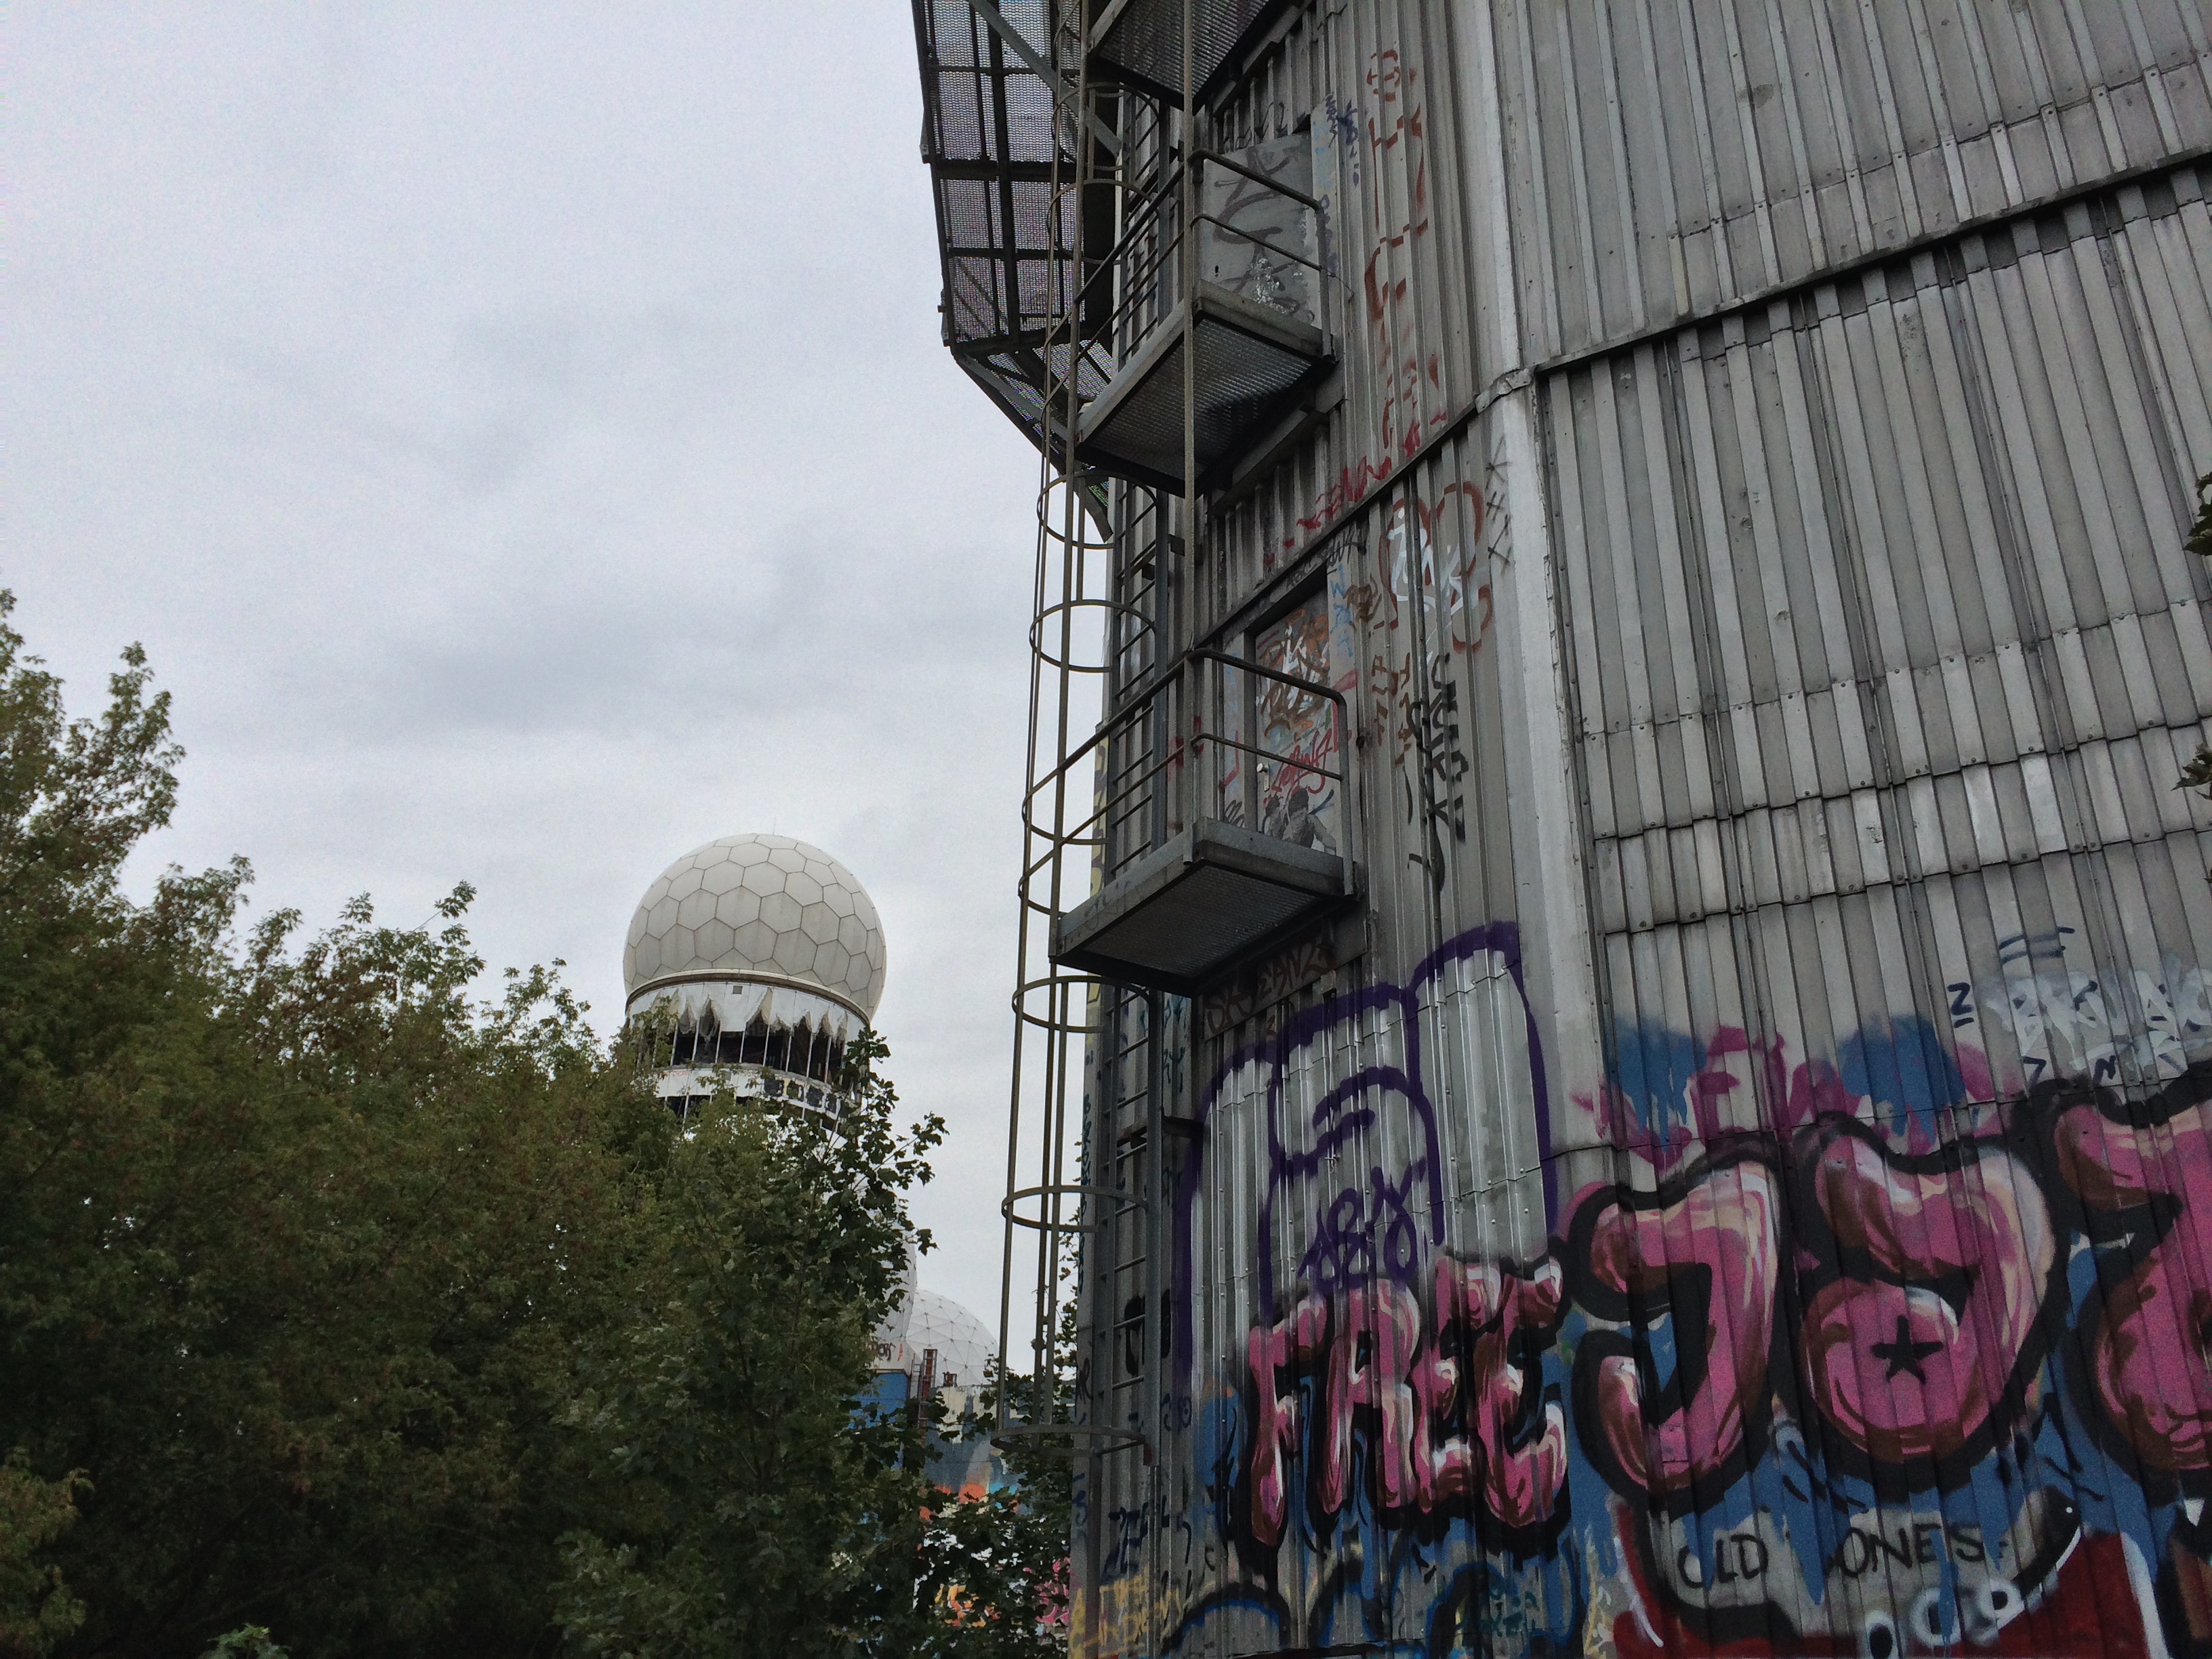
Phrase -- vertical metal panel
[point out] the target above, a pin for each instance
(1675, 158)
(1884, 660)
(1373, 87)
(1941, 627)
(1695, 156)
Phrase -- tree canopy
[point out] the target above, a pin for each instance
(342, 1304)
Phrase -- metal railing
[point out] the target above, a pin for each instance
(1128, 732)
(1147, 274)
(1173, 754)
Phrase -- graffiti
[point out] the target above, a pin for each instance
(1298, 801)
(1254, 239)
(1434, 555)
(1860, 1353)
(1439, 806)
(1705, 1256)
(1262, 995)
(1899, 1321)
(2111, 1027)
(1923, 1338)
(1385, 1212)
(1388, 122)
(1442, 1399)
(1441, 549)
(2150, 1351)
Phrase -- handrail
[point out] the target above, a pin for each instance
(1180, 748)
(1309, 688)
(1153, 239)
(1257, 178)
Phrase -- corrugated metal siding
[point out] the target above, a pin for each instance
(1668, 159)
(1434, 1007)
(1372, 86)
(1886, 648)
(1881, 661)
(1696, 156)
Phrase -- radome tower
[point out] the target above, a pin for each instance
(770, 956)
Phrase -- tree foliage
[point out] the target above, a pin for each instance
(992, 1571)
(296, 1242)
(343, 1309)
(731, 1397)
(36, 1607)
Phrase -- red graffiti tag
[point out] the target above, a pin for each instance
(1485, 1314)
(1273, 1357)
(1369, 1364)
(1449, 1414)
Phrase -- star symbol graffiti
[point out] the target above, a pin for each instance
(1903, 1354)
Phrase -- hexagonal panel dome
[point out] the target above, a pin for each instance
(759, 905)
(964, 1343)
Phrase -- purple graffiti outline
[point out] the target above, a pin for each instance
(1499, 939)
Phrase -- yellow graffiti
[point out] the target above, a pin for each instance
(1126, 1617)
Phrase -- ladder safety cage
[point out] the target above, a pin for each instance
(1016, 319)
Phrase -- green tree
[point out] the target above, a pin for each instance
(36, 1608)
(343, 1309)
(296, 1244)
(992, 1578)
(764, 1493)
(985, 1576)
(776, 1513)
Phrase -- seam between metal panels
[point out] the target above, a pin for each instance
(1722, 758)
(2087, 844)
(1792, 125)
(1516, 379)
(1585, 233)
(2107, 229)
(1577, 751)
(1857, 682)
(2054, 201)
(2095, 875)
(1754, 157)
(2032, 619)
(1978, 54)
(1847, 137)
(1892, 126)
(1701, 133)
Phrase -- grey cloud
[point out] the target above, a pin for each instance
(520, 437)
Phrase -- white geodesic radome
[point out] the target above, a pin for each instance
(889, 1339)
(964, 1343)
(759, 907)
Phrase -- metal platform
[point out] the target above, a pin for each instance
(1192, 911)
(1223, 268)
(1140, 41)
(1250, 360)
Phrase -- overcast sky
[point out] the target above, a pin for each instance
(520, 437)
